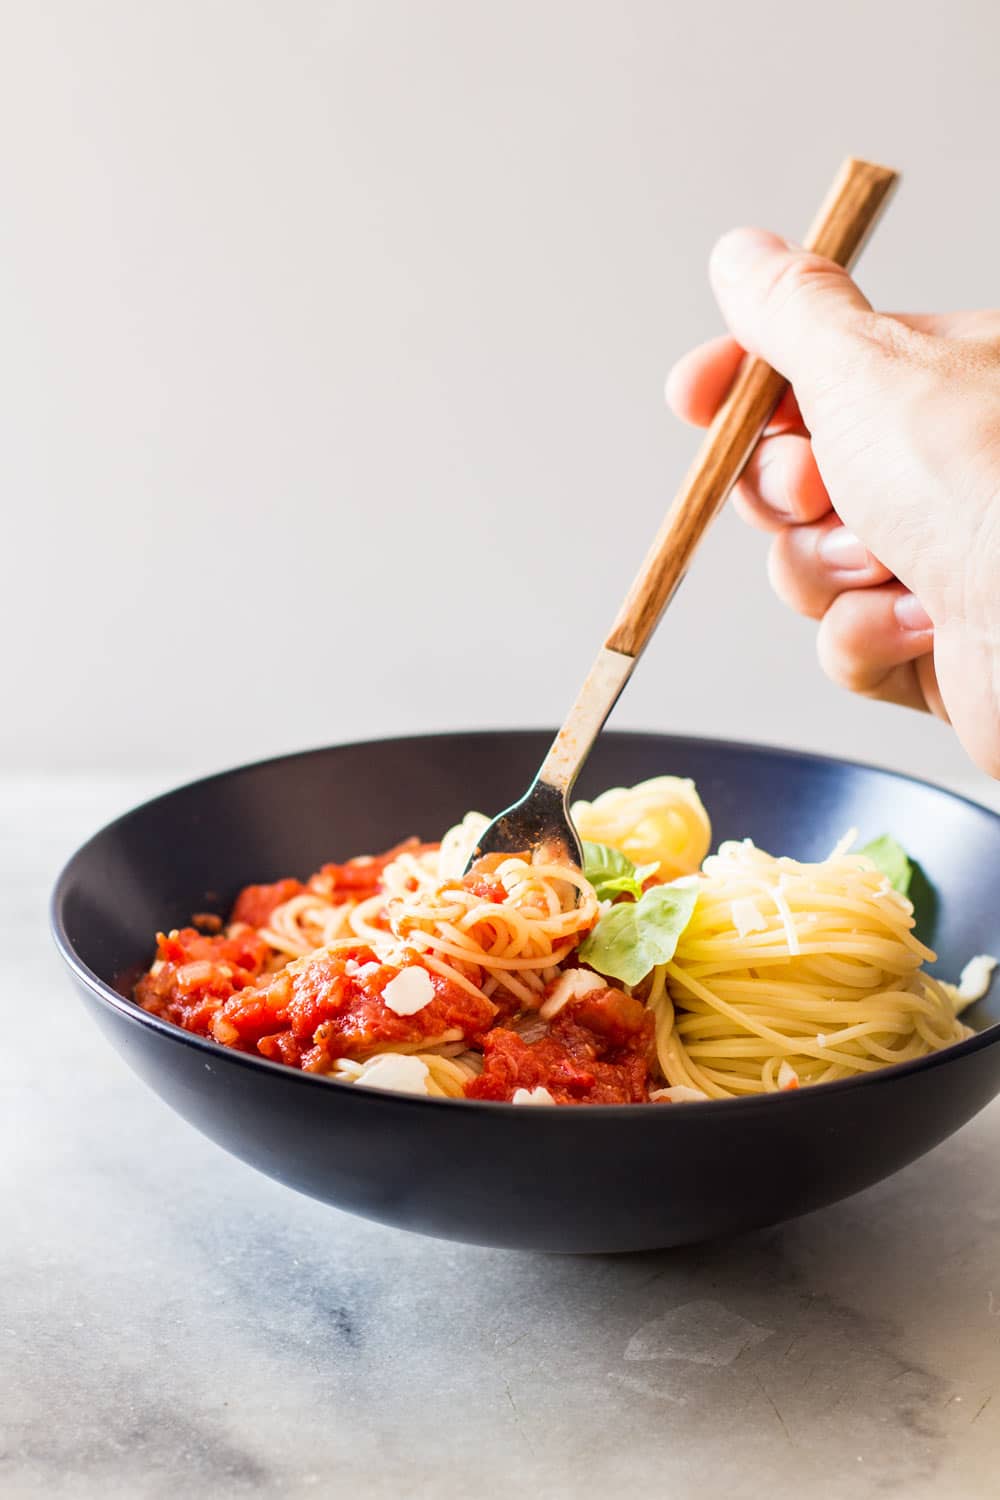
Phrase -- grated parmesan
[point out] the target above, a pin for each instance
(571, 985)
(747, 916)
(537, 1095)
(975, 978)
(787, 920)
(787, 1076)
(397, 1071)
(844, 845)
(409, 992)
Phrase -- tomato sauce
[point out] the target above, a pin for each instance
(194, 973)
(232, 986)
(332, 1006)
(598, 1050)
(256, 904)
(485, 887)
(360, 878)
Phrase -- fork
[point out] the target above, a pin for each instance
(539, 824)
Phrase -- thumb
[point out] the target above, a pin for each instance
(800, 312)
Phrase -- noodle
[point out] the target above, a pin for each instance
(831, 984)
(661, 822)
(513, 945)
(305, 923)
(445, 1077)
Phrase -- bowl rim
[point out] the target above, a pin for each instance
(745, 1106)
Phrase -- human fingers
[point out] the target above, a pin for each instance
(971, 323)
(701, 380)
(800, 312)
(781, 485)
(878, 642)
(809, 566)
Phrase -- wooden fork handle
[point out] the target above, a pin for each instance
(844, 221)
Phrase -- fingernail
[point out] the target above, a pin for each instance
(772, 483)
(736, 254)
(840, 548)
(910, 613)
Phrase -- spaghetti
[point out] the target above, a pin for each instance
(792, 974)
(662, 821)
(655, 974)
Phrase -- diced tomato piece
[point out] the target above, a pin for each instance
(251, 1014)
(239, 946)
(597, 1051)
(283, 1048)
(362, 877)
(256, 904)
(331, 1005)
(611, 1014)
(198, 972)
(485, 887)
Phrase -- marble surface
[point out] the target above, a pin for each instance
(173, 1324)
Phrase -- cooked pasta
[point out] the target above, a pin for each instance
(655, 974)
(661, 821)
(791, 974)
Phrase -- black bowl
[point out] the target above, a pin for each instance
(597, 1178)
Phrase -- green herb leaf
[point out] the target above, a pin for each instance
(889, 857)
(633, 937)
(604, 866)
(612, 873)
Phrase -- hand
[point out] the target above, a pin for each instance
(879, 477)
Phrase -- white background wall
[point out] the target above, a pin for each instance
(332, 340)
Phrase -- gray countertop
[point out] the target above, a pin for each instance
(174, 1324)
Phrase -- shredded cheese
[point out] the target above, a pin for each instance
(572, 985)
(844, 845)
(974, 979)
(396, 1071)
(787, 1076)
(678, 1093)
(787, 920)
(409, 992)
(537, 1095)
(747, 916)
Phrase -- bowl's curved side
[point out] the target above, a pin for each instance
(572, 1180)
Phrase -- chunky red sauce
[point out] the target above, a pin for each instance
(255, 904)
(360, 878)
(232, 986)
(598, 1051)
(197, 973)
(332, 1006)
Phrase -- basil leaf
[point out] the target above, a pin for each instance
(604, 866)
(612, 873)
(889, 857)
(625, 885)
(633, 937)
